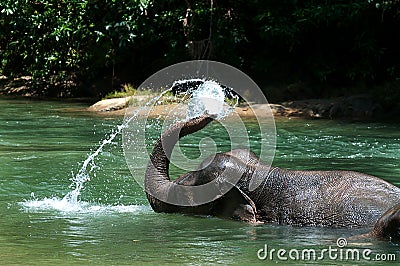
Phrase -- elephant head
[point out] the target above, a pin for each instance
(160, 190)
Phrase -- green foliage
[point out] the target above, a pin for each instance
(334, 42)
(69, 45)
(45, 39)
(64, 42)
(126, 91)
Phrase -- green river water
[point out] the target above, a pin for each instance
(43, 144)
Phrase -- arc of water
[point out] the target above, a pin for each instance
(83, 174)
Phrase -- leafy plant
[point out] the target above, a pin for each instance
(91, 47)
(126, 91)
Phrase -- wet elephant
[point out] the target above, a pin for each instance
(302, 198)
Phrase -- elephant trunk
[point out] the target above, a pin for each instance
(157, 181)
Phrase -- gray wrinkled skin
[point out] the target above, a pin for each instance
(303, 198)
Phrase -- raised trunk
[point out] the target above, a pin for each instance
(157, 181)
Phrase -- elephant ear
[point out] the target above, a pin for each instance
(388, 226)
(235, 204)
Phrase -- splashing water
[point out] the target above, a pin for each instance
(208, 97)
(66, 206)
(83, 174)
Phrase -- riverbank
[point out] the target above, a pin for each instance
(359, 107)
(356, 107)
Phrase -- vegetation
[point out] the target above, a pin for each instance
(126, 91)
(312, 48)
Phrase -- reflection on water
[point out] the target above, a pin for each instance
(41, 145)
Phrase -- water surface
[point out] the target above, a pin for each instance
(42, 145)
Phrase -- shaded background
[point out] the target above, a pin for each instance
(292, 49)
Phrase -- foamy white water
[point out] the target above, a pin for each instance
(64, 206)
(210, 98)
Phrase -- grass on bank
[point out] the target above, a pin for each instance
(126, 91)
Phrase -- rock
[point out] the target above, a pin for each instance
(281, 110)
(359, 106)
(17, 86)
(352, 107)
(115, 104)
(110, 105)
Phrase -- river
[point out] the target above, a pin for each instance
(43, 144)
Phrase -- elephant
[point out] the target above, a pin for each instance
(288, 197)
